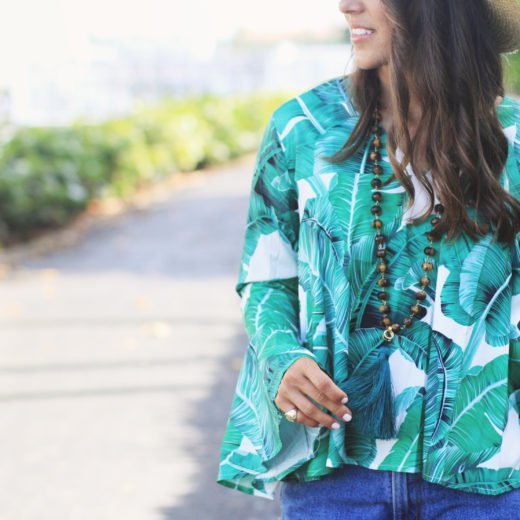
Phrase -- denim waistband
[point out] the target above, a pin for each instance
(357, 493)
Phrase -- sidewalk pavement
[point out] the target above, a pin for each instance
(118, 359)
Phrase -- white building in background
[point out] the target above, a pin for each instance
(111, 77)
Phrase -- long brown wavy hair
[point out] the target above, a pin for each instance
(444, 53)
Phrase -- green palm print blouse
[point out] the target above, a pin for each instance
(307, 282)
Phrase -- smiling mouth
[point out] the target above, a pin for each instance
(359, 35)
(362, 30)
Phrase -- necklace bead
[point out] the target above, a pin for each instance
(396, 327)
(416, 309)
(407, 322)
(424, 281)
(427, 266)
(420, 295)
(384, 308)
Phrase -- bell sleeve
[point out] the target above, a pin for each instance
(514, 351)
(268, 274)
(260, 446)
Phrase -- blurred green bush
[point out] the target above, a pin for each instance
(49, 175)
(512, 72)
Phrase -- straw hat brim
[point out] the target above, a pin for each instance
(505, 19)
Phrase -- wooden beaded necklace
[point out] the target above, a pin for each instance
(417, 310)
(369, 384)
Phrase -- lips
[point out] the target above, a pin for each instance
(359, 34)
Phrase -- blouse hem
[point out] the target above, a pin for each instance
(269, 491)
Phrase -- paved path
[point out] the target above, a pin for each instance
(118, 359)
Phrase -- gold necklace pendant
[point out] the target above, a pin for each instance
(388, 334)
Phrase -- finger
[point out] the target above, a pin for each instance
(324, 384)
(338, 409)
(306, 406)
(286, 405)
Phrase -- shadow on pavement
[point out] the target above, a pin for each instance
(212, 501)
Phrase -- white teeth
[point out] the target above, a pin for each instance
(361, 31)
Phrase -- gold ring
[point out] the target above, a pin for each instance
(291, 414)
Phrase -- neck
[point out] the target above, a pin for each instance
(384, 79)
(414, 111)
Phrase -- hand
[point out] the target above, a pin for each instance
(305, 381)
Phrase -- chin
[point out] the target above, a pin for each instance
(368, 63)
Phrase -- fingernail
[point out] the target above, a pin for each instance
(347, 417)
(335, 425)
(345, 400)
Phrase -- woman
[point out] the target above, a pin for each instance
(380, 278)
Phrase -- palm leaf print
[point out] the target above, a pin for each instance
(405, 453)
(359, 447)
(481, 405)
(442, 386)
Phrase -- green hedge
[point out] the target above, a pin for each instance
(512, 70)
(49, 175)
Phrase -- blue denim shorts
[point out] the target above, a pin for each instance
(357, 493)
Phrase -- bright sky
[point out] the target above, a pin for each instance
(49, 31)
